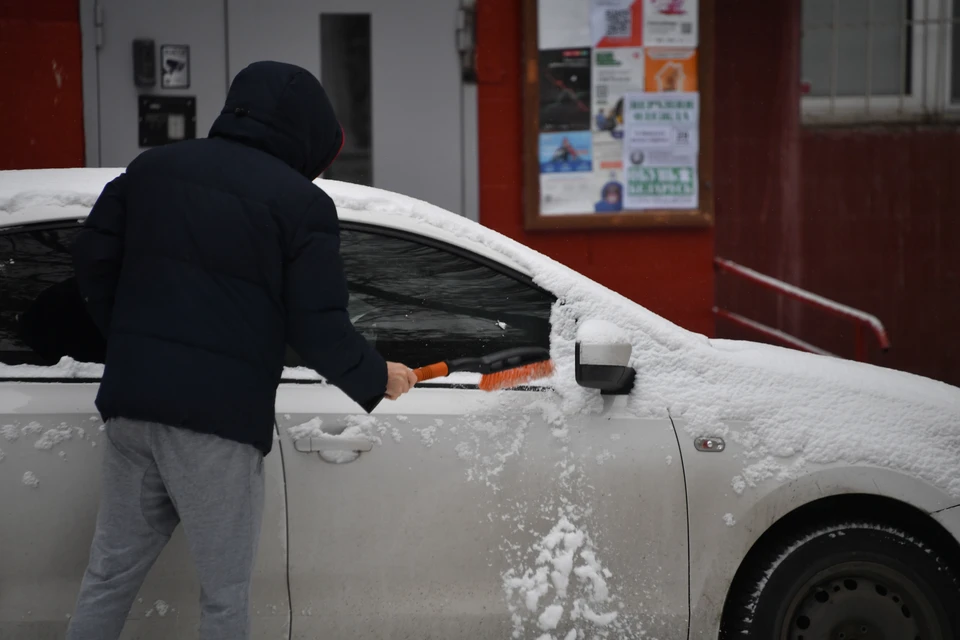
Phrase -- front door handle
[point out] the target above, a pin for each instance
(319, 444)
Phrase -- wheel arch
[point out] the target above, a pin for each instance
(719, 553)
(873, 508)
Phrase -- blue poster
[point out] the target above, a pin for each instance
(566, 152)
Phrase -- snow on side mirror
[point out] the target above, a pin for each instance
(603, 353)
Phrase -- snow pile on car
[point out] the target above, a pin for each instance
(21, 191)
(798, 408)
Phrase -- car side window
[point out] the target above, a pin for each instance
(420, 303)
(42, 316)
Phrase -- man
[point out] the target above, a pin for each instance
(199, 264)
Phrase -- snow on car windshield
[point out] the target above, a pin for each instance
(798, 408)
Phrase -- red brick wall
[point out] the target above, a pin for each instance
(41, 100)
(669, 272)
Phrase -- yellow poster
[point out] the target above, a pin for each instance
(669, 70)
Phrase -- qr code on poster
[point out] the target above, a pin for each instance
(686, 28)
(619, 23)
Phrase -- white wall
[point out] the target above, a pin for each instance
(424, 119)
(110, 96)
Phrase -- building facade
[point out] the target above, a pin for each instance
(835, 144)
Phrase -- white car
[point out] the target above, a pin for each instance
(729, 490)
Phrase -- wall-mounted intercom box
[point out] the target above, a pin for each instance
(144, 63)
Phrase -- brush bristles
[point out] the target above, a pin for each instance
(516, 377)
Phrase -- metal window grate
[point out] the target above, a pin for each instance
(880, 60)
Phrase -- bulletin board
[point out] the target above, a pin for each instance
(618, 113)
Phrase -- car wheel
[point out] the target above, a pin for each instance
(847, 581)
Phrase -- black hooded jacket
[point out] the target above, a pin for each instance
(205, 258)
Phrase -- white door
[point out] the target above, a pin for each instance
(473, 515)
(111, 124)
(411, 106)
(50, 451)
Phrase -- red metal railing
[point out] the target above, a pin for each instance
(862, 321)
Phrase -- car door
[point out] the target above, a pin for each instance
(51, 441)
(456, 513)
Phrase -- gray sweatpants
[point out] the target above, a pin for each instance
(155, 477)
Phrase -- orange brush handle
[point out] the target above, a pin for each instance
(431, 371)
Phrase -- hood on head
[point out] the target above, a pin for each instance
(283, 110)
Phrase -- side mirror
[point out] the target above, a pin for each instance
(603, 353)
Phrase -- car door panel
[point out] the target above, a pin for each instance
(420, 536)
(448, 525)
(52, 445)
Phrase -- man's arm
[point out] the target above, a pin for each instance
(98, 252)
(318, 326)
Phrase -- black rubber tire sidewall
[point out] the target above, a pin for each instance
(787, 566)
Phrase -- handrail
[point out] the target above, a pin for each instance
(860, 319)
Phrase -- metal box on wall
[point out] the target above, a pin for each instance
(166, 119)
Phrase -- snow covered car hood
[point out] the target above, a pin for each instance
(798, 408)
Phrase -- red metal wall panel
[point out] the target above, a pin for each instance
(758, 153)
(882, 222)
(41, 103)
(669, 272)
(867, 216)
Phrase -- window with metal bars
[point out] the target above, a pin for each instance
(880, 60)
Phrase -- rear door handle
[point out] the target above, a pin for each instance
(315, 444)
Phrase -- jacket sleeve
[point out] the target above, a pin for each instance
(318, 325)
(98, 252)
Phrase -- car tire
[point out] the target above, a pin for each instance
(849, 580)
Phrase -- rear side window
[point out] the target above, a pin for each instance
(417, 303)
(420, 303)
(41, 313)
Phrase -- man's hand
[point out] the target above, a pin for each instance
(400, 379)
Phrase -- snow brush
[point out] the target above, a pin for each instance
(501, 370)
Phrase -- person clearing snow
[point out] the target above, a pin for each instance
(199, 264)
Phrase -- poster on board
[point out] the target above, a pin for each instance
(616, 23)
(563, 23)
(568, 194)
(566, 152)
(565, 89)
(669, 70)
(670, 23)
(175, 66)
(660, 150)
(615, 73)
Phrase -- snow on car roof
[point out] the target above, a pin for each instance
(797, 408)
(42, 195)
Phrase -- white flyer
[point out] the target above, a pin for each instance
(563, 24)
(660, 151)
(670, 23)
(615, 73)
